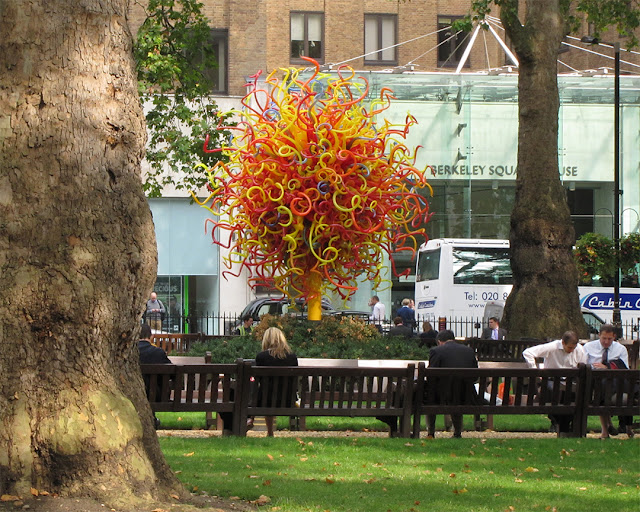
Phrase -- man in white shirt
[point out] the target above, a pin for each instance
(599, 353)
(562, 353)
(378, 313)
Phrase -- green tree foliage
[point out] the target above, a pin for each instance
(595, 256)
(172, 51)
(624, 15)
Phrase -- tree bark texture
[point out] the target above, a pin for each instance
(544, 301)
(77, 256)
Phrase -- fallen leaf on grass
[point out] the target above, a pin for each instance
(582, 488)
(175, 496)
(408, 444)
(329, 480)
(269, 456)
(452, 475)
(159, 510)
(266, 482)
(518, 480)
(262, 500)
(460, 491)
(9, 497)
(532, 470)
(190, 454)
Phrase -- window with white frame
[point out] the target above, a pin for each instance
(380, 34)
(451, 46)
(307, 34)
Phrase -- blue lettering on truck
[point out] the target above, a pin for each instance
(630, 301)
(426, 304)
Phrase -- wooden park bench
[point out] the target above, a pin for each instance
(176, 343)
(302, 391)
(192, 387)
(500, 350)
(610, 392)
(400, 393)
(578, 392)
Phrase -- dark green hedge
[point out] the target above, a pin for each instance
(332, 338)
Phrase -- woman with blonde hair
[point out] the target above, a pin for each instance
(275, 352)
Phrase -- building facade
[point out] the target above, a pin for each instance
(467, 112)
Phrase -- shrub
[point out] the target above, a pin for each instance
(595, 258)
(630, 254)
(334, 337)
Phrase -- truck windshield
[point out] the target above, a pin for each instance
(428, 265)
(481, 265)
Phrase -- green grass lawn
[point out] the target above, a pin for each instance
(374, 474)
(506, 423)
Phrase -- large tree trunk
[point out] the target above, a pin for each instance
(77, 256)
(544, 301)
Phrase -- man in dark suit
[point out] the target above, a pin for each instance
(399, 329)
(494, 331)
(407, 314)
(151, 355)
(148, 353)
(451, 389)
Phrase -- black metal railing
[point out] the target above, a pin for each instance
(224, 324)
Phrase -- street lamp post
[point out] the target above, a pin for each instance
(617, 319)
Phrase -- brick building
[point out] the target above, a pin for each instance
(268, 34)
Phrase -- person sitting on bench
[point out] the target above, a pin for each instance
(563, 353)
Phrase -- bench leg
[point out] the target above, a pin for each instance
(210, 421)
(297, 423)
(481, 424)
